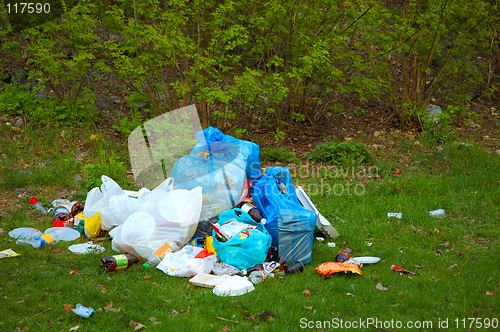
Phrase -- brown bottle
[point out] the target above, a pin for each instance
(252, 210)
(77, 208)
(119, 262)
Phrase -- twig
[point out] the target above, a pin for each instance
(228, 320)
(41, 313)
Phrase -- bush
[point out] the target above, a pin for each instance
(343, 153)
(278, 154)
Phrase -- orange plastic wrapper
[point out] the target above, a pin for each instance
(328, 268)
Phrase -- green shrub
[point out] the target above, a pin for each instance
(343, 153)
(278, 154)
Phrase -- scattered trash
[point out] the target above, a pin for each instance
(366, 260)
(296, 267)
(25, 233)
(63, 233)
(74, 271)
(328, 268)
(36, 203)
(343, 255)
(452, 266)
(437, 213)
(233, 286)
(86, 248)
(398, 215)
(401, 270)
(82, 311)
(187, 262)
(380, 287)
(320, 239)
(225, 269)
(332, 244)
(118, 262)
(399, 172)
(43, 240)
(369, 244)
(8, 253)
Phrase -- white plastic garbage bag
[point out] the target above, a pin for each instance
(112, 203)
(164, 216)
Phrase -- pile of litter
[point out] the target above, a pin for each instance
(217, 219)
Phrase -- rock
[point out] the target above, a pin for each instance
(102, 103)
(434, 113)
(19, 121)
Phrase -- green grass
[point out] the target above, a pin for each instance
(35, 286)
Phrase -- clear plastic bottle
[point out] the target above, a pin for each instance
(43, 240)
(156, 257)
(37, 205)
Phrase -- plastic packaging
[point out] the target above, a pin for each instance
(400, 269)
(156, 257)
(37, 205)
(82, 311)
(25, 233)
(43, 240)
(63, 233)
(233, 286)
(86, 248)
(118, 262)
(437, 213)
(398, 215)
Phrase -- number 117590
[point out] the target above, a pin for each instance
(28, 8)
(478, 323)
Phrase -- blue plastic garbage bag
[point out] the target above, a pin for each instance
(213, 141)
(247, 247)
(223, 182)
(290, 225)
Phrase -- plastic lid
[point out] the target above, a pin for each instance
(58, 223)
(33, 200)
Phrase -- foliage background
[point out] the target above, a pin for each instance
(252, 63)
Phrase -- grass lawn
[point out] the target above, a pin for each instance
(455, 258)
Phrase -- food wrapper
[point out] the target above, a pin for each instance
(328, 268)
(8, 253)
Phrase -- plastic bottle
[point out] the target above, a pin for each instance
(343, 255)
(252, 210)
(156, 257)
(119, 262)
(43, 240)
(437, 213)
(256, 277)
(266, 268)
(37, 205)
